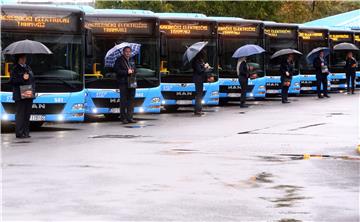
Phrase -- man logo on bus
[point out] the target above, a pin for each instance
(38, 106)
(184, 93)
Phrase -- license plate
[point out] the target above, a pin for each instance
(184, 102)
(306, 88)
(115, 110)
(37, 118)
(234, 95)
(272, 91)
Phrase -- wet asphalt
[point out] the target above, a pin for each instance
(269, 162)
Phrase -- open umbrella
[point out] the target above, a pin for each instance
(284, 52)
(26, 47)
(247, 50)
(315, 53)
(192, 51)
(345, 46)
(116, 51)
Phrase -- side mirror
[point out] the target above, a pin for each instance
(163, 44)
(89, 43)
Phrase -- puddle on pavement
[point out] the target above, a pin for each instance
(179, 151)
(288, 157)
(114, 136)
(290, 196)
(138, 126)
(289, 220)
(307, 126)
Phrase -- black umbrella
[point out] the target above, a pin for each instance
(26, 47)
(345, 46)
(284, 52)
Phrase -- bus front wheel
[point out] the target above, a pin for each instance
(171, 108)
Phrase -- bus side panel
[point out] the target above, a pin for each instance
(258, 88)
(337, 81)
(107, 101)
(49, 107)
(357, 79)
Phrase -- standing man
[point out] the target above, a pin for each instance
(243, 74)
(350, 69)
(286, 70)
(199, 76)
(23, 83)
(322, 72)
(125, 74)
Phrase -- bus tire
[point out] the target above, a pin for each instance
(111, 116)
(171, 108)
(36, 125)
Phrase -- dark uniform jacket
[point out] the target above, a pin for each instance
(199, 71)
(349, 66)
(243, 70)
(286, 67)
(121, 68)
(317, 65)
(17, 79)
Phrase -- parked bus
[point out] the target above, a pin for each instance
(234, 33)
(357, 56)
(337, 76)
(279, 36)
(179, 31)
(58, 77)
(114, 26)
(309, 39)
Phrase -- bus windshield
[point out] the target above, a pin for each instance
(176, 68)
(305, 48)
(273, 45)
(146, 62)
(227, 64)
(58, 72)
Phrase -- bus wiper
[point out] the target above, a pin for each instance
(58, 79)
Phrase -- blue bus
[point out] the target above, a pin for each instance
(357, 56)
(232, 34)
(279, 36)
(177, 32)
(106, 28)
(309, 39)
(337, 76)
(58, 77)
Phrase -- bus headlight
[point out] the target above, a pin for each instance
(78, 106)
(163, 102)
(155, 100)
(214, 93)
(5, 116)
(94, 110)
(202, 101)
(141, 110)
(297, 84)
(60, 118)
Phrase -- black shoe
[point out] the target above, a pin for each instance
(131, 121)
(326, 96)
(285, 102)
(353, 92)
(21, 137)
(320, 97)
(198, 113)
(27, 136)
(125, 121)
(244, 106)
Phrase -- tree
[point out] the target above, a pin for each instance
(279, 11)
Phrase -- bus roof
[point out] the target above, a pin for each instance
(122, 13)
(275, 24)
(49, 8)
(236, 20)
(340, 31)
(301, 27)
(185, 17)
